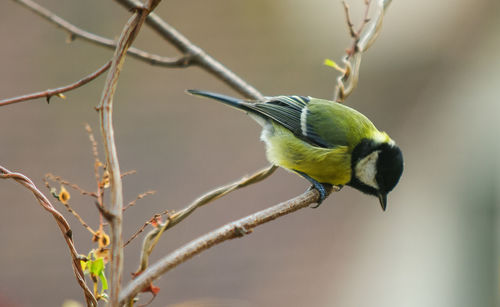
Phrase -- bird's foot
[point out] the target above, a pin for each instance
(320, 187)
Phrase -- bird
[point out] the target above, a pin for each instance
(325, 142)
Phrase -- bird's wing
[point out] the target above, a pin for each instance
(285, 110)
(327, 123)
(313, 122)
(333, 124)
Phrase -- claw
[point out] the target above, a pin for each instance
(320, 187)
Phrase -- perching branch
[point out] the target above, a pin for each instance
(363, 39)
(75, 32)
(57, 91)
(232, 230)
(105, 108)
(191, 55)
(173, 219)
(177, 217)
(198, 56)
(61, 222)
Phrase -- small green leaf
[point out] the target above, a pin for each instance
(330, 63)
(83, 264)
(90, 266)
(104, 281)
(97, 266)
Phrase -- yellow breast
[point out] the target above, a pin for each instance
(325, 165)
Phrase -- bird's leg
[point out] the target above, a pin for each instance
(317, 185)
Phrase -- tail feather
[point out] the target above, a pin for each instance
(234, 102)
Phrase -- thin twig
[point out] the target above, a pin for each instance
(57, 91)
(350, 24)
(97, 175)
(129, 33)
(154, 219)
(63, 226)
(95, 151)
(65, 203)
(232, 230)
(74, 186)
(371, 34)
(219, 192)
(355, 34)
(366, 19)
(198, 56)
(362, 40)
(140, 196)
(127, 173)
(148, 245)
(75, 32)
(79, 218)
(192, 54)
(151, 239)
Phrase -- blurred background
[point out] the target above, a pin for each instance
(431, 81)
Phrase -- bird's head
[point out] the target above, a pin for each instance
(376, 168)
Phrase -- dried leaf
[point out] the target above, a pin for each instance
(64, 195)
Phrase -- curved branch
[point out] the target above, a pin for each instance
(192, 54)
(199, 56)
(220, 192)
(57, 91)
(74, 32)
(63, 226)
(229, 231)
(363, 39)
(105, 108)
(369, 37)
(154, 235)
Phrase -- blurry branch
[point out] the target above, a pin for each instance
(139, 197)
(232, 230)
(192, 54)
(61, 222)
(61, 181)
(75, 32)
(154, 235)
(100, 183)
(57, 91)
(105, 108)
(363, 39)
(177, 217)
(154, 220)
(196, 55)
(131, 172)
(63, 197)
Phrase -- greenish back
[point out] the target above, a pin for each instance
(336, 124)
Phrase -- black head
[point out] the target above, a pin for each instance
(376, 168)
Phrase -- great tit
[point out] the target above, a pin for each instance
(325, 142)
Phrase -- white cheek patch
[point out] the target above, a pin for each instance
(366, 169)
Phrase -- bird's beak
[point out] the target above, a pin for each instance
(382, 197)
